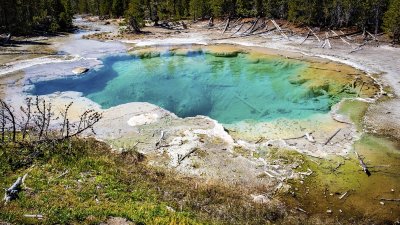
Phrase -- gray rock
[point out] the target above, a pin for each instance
(80, 70)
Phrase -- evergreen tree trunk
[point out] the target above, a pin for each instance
(133, 25)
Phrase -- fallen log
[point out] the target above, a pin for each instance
(260, 140)
(343, 195)
(308, 35)
(5, 38)
(279, 29)
(362, 164)
(244, 35)
(248, 104)
(259, 27)
(160, 139)
(211, 22)
(227, 25)
(340, 37)
(319, 40)
(301, 210)
(358, 48)
(391, 199)
(373, 37)
(238, 29)
(181, 158)
(326, 41)
(12, 192)
(332, 136)
(236, 21)
(310, 138)
(39, 216)
(254, 25)
(306, 135)
(359, 91)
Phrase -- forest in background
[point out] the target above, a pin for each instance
(27, 16)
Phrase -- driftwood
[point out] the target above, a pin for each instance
(338, 166)
(308, 35)
(326, 41)
(12, 192)
(238, 29)
(308, 136)
(5, 39)
(39, 216)
(63, 174)
(183, 157)
(391, 199)
(359, 91)
(248, 104)
(260, 140)
(160, 139)
(301, 210)
(253, 26)
(362, 164)
(211, 22)
(343, 195)
(261, 26)
(236, 22)
(340, 121)
(373, 37)
(332, 136)
(319, 40)
(348, 36)
(279, 29)
(358, 48)
(227, 25)
(340, 37)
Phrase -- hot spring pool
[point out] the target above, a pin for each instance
(227, 88)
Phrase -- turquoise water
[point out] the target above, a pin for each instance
(228, 89)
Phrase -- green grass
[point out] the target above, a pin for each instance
(123, 185)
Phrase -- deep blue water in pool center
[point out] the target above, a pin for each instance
(228, 89)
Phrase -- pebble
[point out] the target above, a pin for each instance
(328, 211)
(382, 203)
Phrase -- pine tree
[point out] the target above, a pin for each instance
(391, 20)
(135, 15)
(117, 8)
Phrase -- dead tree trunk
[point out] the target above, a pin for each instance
(319, 40)
(211, 22)
(227, 25)
(333, 135)
(254, 26)
(326, 41)
(238, 29)
(12, 192)
(10, 117)
(362, 164)
(308, 35)
(279, 29)
(340, 37)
